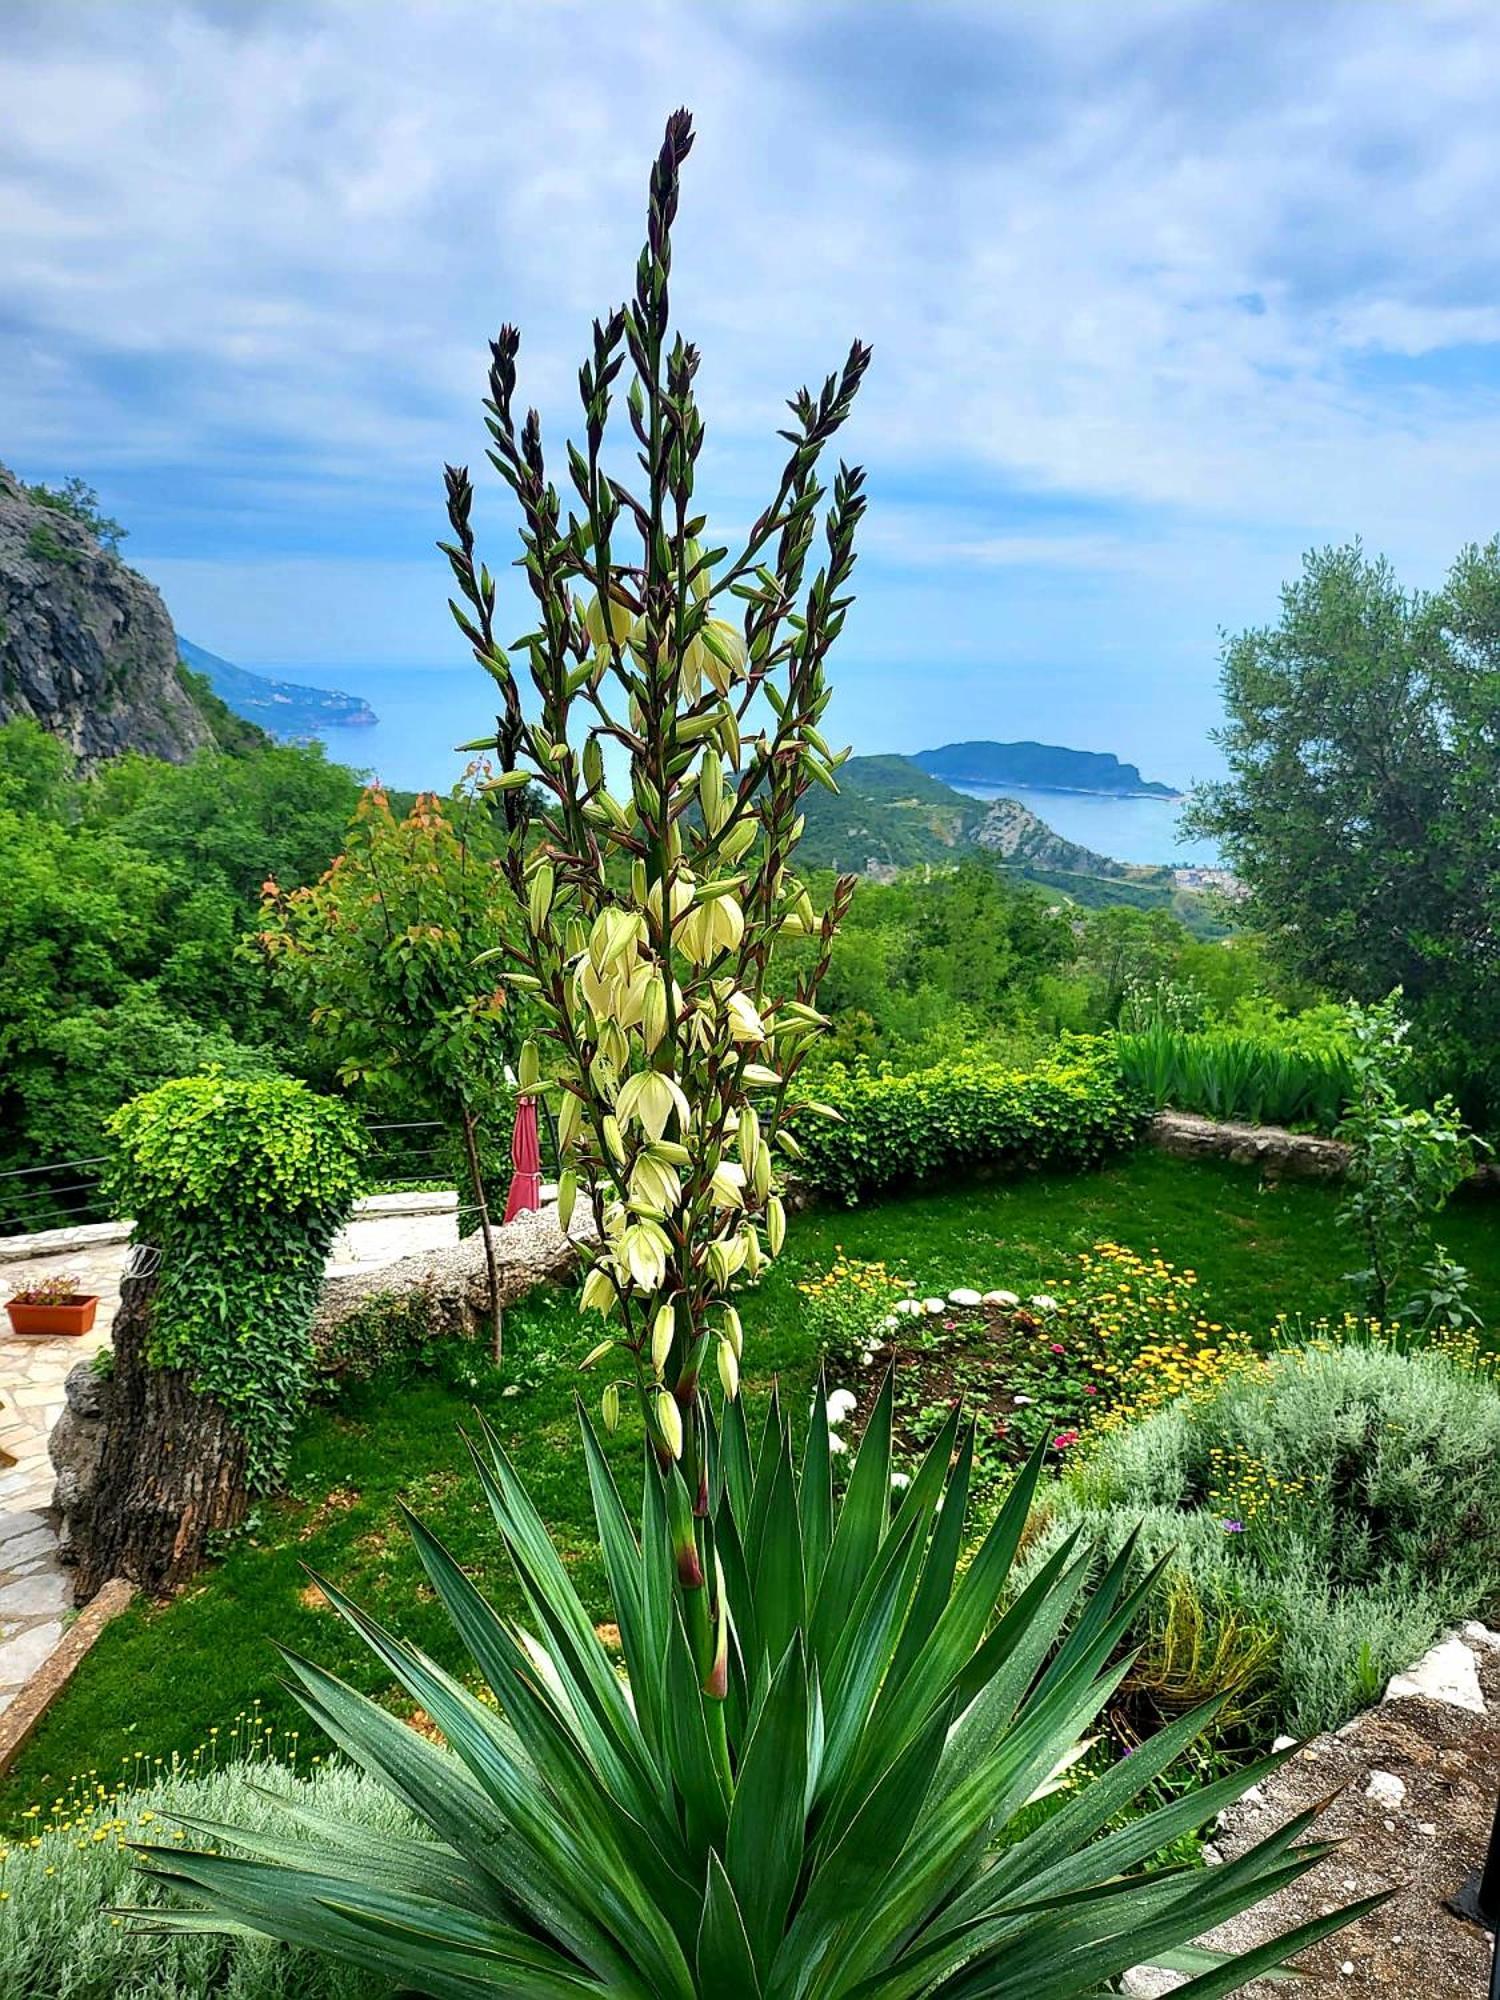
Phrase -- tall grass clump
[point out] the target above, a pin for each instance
(1227, 1075)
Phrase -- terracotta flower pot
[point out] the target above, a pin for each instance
(75, 1315)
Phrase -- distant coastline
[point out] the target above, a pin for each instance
(1040, 767)
(290, 711)
(984, 787)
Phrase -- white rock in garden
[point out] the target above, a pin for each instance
(900, 1481)
(841, 1404)
(1446, 1672)
(1150, 1982)
(836, 1444)
(964, 1295)
(890, 1323)
(1476, 1634)
(1283, 1743)
(1021, 1401)
(1385, 1788)
(908, 1306)
(1001, 1299)
(934, 1306)
(1044, 1302)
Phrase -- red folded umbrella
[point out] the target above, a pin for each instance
(526, 1158)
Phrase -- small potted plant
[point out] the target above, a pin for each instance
(53, 1305)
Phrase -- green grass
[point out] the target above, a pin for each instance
(162, 1676)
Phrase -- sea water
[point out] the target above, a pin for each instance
(1142, 828)
(424, 712)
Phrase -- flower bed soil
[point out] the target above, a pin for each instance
(1014, 1375)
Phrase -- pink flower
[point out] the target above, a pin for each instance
(1064, 1439)
(1089, 1389)
(1058, 1348)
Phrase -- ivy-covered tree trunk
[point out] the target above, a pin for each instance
(173, 1468)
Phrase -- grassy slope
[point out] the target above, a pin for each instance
(162, 1677)
(888, 811)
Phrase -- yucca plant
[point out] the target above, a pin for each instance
(892, 1809)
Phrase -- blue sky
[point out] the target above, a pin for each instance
(1162, 292)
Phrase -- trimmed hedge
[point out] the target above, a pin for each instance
(1072, 1111)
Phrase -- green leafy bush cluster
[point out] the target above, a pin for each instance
(79, 501)
(1344, 1498)
(385, 1327)
(1071, 1110)
(239, 1184)
(1225, 1074)
(58, 1935)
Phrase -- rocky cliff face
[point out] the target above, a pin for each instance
(86, 646)
(1014, 832)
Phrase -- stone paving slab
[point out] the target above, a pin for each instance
(383, 1229)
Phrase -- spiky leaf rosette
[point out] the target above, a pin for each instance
(866, 1829)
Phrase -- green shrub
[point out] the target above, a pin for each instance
(1071, 1111)
(386, 1326)
(45, 546)
(60, 1941)
(1404, 1163)
(239, 1184)
(1223, 1074)
(1347, 1498)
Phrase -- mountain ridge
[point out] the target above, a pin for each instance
(1042, 767)
(285, 710)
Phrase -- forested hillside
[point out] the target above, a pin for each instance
(128, 894)
(889, 814)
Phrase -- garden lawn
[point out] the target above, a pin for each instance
(162, 1678)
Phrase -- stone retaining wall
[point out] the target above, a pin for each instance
(1281, 1155)
(1291, 1155)
(453, 1282)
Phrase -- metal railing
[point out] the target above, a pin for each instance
(64, 1194)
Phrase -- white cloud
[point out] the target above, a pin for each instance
(1151, 258)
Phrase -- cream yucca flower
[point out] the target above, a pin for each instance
(745, 1024)
(621, 621)
(669, 1421)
